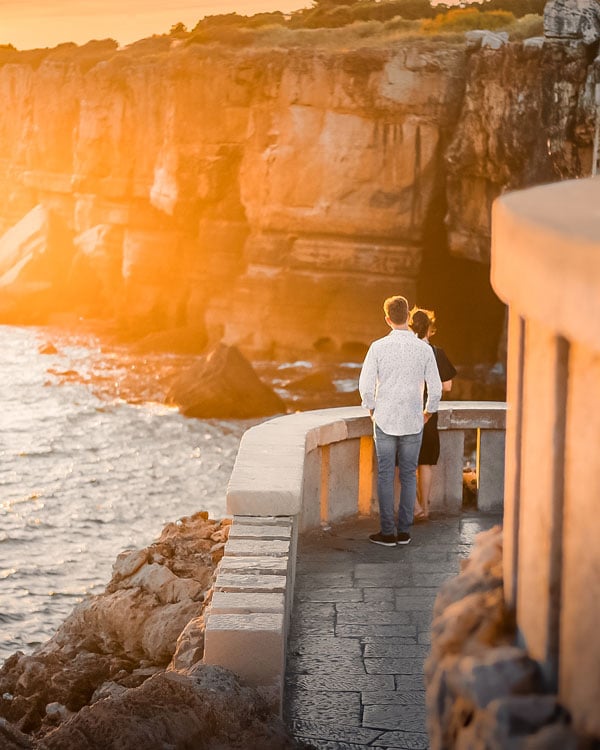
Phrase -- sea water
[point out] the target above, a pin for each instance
(86, 473)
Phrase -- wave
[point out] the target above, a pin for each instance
(87, 475)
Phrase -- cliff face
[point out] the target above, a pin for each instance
(527, 118)
(269, 198)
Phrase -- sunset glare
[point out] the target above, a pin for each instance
(34, 23)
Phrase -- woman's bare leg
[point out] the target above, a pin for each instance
(424, 477)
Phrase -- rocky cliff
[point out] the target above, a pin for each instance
(125, 669)
(272, 198)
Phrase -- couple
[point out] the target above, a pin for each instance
(399, 376)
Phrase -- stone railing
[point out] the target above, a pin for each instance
(312, 469)
(546, 267)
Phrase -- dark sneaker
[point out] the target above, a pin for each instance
(387, 540)
(403, 537)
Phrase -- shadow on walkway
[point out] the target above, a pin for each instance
(360, 631)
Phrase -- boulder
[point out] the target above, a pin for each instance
(121, 637)
(486, 39)
(572, 19)
(223, 384)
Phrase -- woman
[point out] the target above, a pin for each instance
(422, 323)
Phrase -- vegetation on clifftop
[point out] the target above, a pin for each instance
(341, 24)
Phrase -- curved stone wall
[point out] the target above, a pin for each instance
(294, 473)
(546, 267)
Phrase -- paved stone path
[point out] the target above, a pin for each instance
(361, 630)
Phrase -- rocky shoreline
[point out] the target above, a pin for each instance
(125, 669)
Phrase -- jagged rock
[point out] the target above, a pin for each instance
(190, 645)
(536, 42)
(100, 683)
(206, 708)
(12, 739)
(56, 712)
(48, 348)
(486, 39)
(123, 636)
(572, 19)
(513, 722)
(481, 690)
(128, 562)
(223, 384)
(496, 673)
(558, 736)
(524, 122)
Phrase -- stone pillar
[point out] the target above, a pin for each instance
(579, 676)
(447, 485)
(541, 504)
(512, 469)
(343, 482)
(310, 517)
(490, 470)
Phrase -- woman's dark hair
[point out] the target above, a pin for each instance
(422, 322)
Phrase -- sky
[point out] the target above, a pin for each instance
(46, 23)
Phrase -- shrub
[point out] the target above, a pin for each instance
(277, 18)
(231, 36)
(527, 26)
(178, 31)
(152, 45)
(518, 8)
(465, 19)
(400, 24)
(222, 19)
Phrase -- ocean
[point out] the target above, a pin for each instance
(91, 463)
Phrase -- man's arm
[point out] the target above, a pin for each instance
(367, 381)
(434, 384)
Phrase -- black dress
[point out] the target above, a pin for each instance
(430, 447)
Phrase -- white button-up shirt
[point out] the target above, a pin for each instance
(392, 381)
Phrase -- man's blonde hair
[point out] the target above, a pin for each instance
(396, 309)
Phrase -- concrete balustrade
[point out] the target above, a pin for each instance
(304, 471)
(546, 267)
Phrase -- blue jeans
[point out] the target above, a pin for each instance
(403, 451)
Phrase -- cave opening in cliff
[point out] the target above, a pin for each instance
(470, 317)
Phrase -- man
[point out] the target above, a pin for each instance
(391, 385)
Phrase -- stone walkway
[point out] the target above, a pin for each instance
(361, 630)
